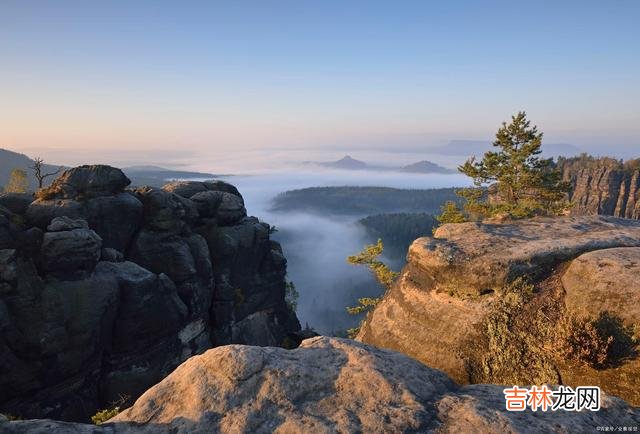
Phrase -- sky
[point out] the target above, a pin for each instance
(201, 83)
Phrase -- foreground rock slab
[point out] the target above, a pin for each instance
(475, 258)
(327, 385)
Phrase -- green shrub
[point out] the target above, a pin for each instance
(451, 213)
(104, 415)
(353, 332)
(597, 342)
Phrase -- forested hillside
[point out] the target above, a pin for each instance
(363, 201)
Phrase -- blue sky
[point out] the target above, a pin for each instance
(212, 77)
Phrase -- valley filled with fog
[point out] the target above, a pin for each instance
(316, 244)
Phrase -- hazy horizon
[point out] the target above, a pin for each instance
(213, 85)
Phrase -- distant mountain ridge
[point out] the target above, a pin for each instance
(349, 163)
(10, 160)
(153, 176)
(425, 166)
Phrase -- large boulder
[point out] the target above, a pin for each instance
(40, 212)
(327, 385)
(604, 280)
(60, 224)
(184, 188)
(86, 182)
(189, 188)
(115, 218)
(225, 208)
(165, 211)
(70, 251)
(471, 259)
(488, 302)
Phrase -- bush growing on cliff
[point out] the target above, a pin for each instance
(369, 258)
(291, 296)
(520, 183)
(104, 415)
(511, 348)
(597, 342)
(382, 273)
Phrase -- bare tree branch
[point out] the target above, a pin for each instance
(38, 164)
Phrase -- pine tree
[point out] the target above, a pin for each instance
(18, 182)
(451, 213)
(522, 183)
(383, 274)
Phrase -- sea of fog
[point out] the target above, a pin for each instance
(316, 246)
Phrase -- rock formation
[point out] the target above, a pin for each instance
(104, 291)
(326, 385)
(488, 302)
(603, 186)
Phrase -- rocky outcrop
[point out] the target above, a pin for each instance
(104, 291)
(326, 385)
(483, 301)
(17, 203)
(603, 186)
(604, 280)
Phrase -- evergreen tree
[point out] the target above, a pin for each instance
(521, 183)
(18, 182)
(451, 213)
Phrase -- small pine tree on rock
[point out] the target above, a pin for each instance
(514, 179)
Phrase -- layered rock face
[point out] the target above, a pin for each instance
(603, 186)
(327, 385)
(461, 304)
(104, 291)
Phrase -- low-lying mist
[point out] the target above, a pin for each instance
(316, 246)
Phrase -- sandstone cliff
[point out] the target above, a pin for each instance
(603, 186)
(490, 303)
(325, 386)
(104, 291)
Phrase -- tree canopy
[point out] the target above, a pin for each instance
(18, 182)
(513, 180)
